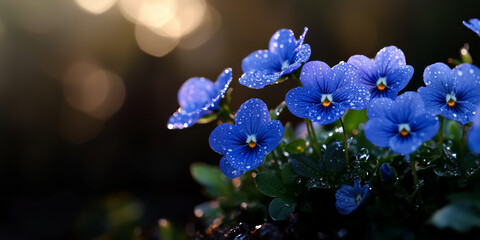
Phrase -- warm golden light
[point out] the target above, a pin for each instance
(170, 20)
(199, 36)
(95, 6)
(152, 43)
(92, 90)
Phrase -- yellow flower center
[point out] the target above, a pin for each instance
(381, 86)
(326, 100)
(359, 197)
(404, 129)
(451, 100)
(382, 83)
(252, 141)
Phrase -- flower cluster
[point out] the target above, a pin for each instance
(401, 122)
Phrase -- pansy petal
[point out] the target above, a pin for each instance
(388, 59)
(368, 70)
(462, 111)
(245, 158)
(379, 107)
(262, 60)
(259, 79)
(467, 77)
(347, 197)
(299, 99)
(474, 134)
(440, 77)
(343, 204)
(270, 135)
(345, 74)
(221, 85)
(195, 93)
(433, 99)
(399, 78)
(292, 68)
(473, 24)
(386, 93)
(405, 144)
(228, 170)
(302, 37)
(379, 131)
(353, 96)
(252, 115)
(326, 115)
(407, 106)
(425, 126)
(318, 75)
(181, 119)
(224, 80)
(302, 54)
(283, 43)
(474, 139)
(225, 137)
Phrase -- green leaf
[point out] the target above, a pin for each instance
(334, 158)
(287, 173)
(353, 119)
(460, 216)
(210, 177)
(304, 166)
(279, 209)
(296, 146)
(269, 184)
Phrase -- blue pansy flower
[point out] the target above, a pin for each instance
(474, 134)
(285, 54)
(246, 143)
(327, 92)
(386, 75)
(386, 171)
(454, 94)
(402, 125)
(473, 24)
(348, 198)
(198, 97)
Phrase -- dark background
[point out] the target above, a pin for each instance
(67, 172)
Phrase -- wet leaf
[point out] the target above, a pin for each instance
(460, 216)
(334, 158)
(279, 208)
(215, 183)
(304, 166)
(269, 184)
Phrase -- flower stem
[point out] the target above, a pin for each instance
(414, 172)
(312, 136)
(347, 159)
(440, 136)
(464, 138)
